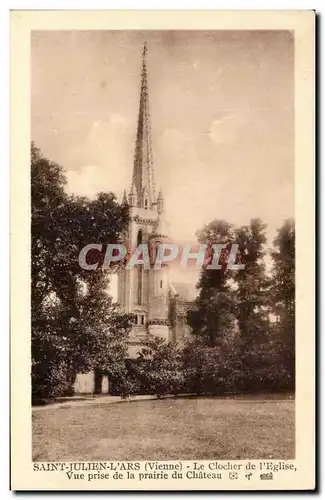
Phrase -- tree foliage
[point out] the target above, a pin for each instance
(252, 294)
(283, 297)
(236, 346)
(213, 317)
(158, 368)
(75, 325)
(209, 369)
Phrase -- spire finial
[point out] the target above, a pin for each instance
(144, 52)
(144, 62)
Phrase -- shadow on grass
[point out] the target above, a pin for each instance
(243, 397)
(262, 398)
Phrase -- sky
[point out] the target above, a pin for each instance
(222, 118)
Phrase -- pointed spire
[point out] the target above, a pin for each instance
(144, 53)
(142, 167)
(124, 199)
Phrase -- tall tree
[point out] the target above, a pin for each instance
(283, 272)
(75, 325)
(252, 303)
(212, 319)
(252, 281)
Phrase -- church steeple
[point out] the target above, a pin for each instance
(143, 176)
(144, 292)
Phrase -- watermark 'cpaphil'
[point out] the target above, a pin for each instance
(210, 256)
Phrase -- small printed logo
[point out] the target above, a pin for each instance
(267, 476)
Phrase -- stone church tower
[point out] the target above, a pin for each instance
(159, 307)
(145, 292)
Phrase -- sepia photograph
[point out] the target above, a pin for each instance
(163, 245)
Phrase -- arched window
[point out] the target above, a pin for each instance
(142, 319)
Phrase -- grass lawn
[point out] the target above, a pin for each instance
(183, 429)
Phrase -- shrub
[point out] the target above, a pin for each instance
(159, 368)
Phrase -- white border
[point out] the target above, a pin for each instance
(4, 121)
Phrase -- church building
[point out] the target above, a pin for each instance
(159, 307)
